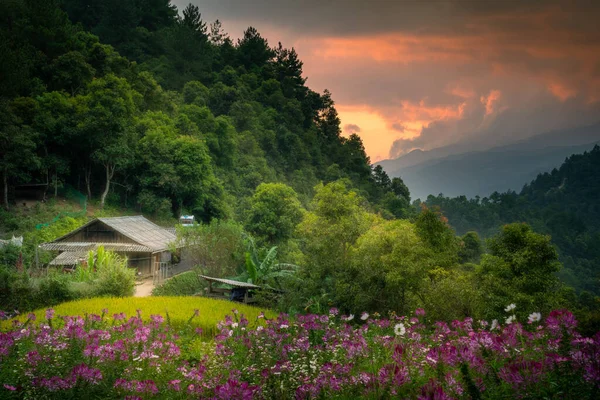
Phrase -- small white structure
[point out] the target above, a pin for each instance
(15, 241)
(186, 220)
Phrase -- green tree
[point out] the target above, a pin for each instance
(253, 49)
(107, 119)
(218, 247)
(327, 233)
(274, 212)
(470, 248)
(521, 268)
(433, 229)
(192, 19)
(17, 149)
(389, 267)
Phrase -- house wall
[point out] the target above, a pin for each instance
(98, 232)
(142, 262)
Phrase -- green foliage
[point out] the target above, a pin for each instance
(77, 112)
(470, 248)
(264, 270)
(185, 284)
(390, 264)
(216, 248)
(274, 212)
(432, 227)
(560, 203)
(327, 233)
(9, 255)
(54, 289)
(108, 273)
(16, 290)
(520, 269)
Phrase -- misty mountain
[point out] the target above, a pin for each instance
(481, 173)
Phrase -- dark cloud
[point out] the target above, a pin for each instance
(476, 73)
(357, 17)
(351, 128)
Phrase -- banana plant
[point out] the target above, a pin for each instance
(266, 271)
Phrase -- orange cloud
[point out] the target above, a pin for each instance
(561, 91)
(458, 83)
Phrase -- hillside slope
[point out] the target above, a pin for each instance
(564, 203)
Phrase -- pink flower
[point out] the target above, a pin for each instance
(10, 387)
(419, 312)
(175, 384)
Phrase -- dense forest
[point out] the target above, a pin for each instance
(562, 203)
(137, 105)
(149, 110)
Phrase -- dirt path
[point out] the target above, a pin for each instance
(144, 289)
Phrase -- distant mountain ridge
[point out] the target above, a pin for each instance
(562, 203)
(479, 173)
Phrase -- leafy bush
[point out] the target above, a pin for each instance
(185, 284)
(16, 291)
(54, 289)
(218, 248)
(107, 273)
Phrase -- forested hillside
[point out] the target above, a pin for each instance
(563, 203)
(147, 110)
(138, 105)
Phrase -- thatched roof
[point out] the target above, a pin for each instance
(69, 258)
(149, 236)
(87, 246)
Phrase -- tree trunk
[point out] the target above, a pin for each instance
(55, 184)
(88, 178)
(5, 180)
(110, 170)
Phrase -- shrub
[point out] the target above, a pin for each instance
(16, 291)
(185, 284)
(54, 289)
(107, 273)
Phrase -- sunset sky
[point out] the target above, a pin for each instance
(425, 74)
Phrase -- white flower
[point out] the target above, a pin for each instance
(349, 317)
(399, 329)
(510, 307)
(234, 325)
(284, 326)
(494, 325)
(510, 319)
(364, 316)
(534, 317)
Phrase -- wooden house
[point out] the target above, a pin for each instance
(145, 244)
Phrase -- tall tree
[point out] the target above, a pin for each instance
(107, 119)
(192, 19)
(217, 35)
(253, 49)
(17, 149)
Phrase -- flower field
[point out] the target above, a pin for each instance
(110, 355)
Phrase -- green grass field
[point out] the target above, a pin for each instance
(180, 309)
